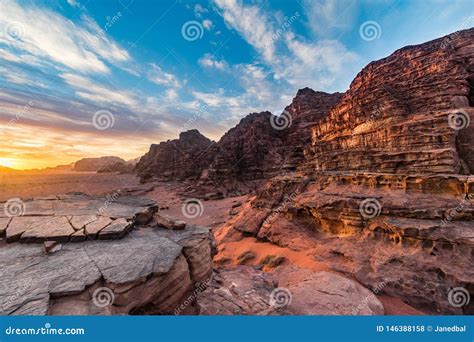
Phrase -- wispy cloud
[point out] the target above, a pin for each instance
(45, 34)
(158, 76)
(98, 93)
(250, 22)
(320, 64)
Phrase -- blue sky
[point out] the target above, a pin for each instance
(161, 67)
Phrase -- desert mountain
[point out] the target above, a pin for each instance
(177, 159)
(258, 147)
(385, 193)
(96, 164)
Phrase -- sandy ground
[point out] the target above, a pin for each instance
(211, 213)
(34, 184)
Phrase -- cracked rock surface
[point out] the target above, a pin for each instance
(147, 271)
(75, 217)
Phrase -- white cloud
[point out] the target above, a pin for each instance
(252, 24)
(73, 3)
(199, 10)
(158, 76)
(325, 16)
(324, 64)
(7, 56)
(98, 93)
(210, 61)
(171, 95)
(48, 35)
(207, 24)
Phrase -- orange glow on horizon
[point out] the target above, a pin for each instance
(25, 148)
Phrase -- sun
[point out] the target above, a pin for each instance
(7, 162)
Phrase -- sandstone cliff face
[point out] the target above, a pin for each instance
(177, 159)
(307, 108)
(385, 193)
(404, 113)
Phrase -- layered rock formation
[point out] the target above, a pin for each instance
(412, 234)
(407, 113)
(248, 151)
(73, 217)
(177, 159)
(307, 108)
(385, 193)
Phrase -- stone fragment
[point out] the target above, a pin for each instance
(93, 228)
(80, 221)
(168, 222)
(50, 247)
(4, 224)
(18, 225)
(117, 229)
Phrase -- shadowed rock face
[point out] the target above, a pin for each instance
(258, 147)
(177, 159)
(395, 117)
(249, 150)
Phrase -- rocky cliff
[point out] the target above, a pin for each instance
(249, 150)
(406, 113)
(307, 108)
(385, 193)
(261, 145)
(177, 159)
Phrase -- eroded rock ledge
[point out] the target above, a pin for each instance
(411, 235)
(147, 270)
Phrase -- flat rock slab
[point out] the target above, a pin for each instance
(55, 228)
(75, 217)
(142, 268)
(325, 293)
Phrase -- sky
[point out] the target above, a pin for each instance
(84, 78)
